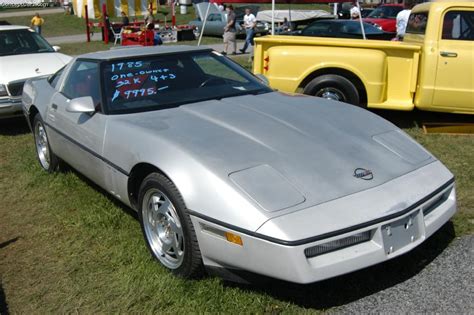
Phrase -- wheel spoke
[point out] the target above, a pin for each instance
(173, 226)
(164, 207)
(165, 247)
(176, 245)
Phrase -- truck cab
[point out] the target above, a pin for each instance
(446, 75)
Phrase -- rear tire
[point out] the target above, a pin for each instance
(333, 87)
(46, 157)
(167, 228)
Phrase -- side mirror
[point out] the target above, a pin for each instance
(56, 48)
(263, 79)
(83, 104)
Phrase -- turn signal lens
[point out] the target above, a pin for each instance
(234, 238)
(3, 90)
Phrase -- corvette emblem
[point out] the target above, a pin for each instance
(37, 70)
(364, 174)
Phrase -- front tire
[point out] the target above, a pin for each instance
(46, 157)
(167, 228)
(333, 87)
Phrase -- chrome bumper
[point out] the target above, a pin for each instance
(10, 107)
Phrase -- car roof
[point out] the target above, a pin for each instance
(393, 5)
(140, 51)
(13, 27)
(338, 21)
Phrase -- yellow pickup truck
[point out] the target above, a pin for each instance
(432, 69)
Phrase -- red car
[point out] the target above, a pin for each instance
(385, 16)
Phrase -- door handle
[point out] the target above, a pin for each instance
(448, 54)
(54, 106)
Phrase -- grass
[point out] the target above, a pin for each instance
(57, 24)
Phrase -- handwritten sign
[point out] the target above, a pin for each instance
(134, 79)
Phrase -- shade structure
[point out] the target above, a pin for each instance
(114, 7)
(280, 1)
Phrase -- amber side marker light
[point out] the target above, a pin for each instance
(234, 238)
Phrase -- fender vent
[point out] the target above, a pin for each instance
(435, 203)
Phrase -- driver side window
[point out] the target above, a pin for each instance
(83, 80)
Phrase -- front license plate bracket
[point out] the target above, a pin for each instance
(401, 233)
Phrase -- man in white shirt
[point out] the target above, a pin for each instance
(355, 12)
(402, 19)
(249, 24)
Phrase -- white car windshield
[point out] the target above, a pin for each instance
(22, 41)
(155, 82)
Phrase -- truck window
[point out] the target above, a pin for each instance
(458, 25)
(417, 23)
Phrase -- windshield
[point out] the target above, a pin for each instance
(339, 28)
(153, 83)
(387, 12)
(23, 41)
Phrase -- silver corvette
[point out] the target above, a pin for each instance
(232, 177)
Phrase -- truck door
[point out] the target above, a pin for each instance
(454, 86)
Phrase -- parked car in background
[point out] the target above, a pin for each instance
(24, 54)
(385, 17)
(344, 29)
(366, 11)
(217, 20)
(228, 174)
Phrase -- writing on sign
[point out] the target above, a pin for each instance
(130, 80)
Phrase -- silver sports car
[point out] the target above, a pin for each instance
(230, 176)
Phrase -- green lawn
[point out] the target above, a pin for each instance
(57, 24)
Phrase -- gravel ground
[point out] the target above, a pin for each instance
(446, 285)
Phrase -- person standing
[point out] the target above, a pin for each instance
(249, 24)
(36, 23)
(402, 19)
(230, 31)
(355, 12)
(125, 20)
(149, 18)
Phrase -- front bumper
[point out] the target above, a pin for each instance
(10, 107)
(388, 239)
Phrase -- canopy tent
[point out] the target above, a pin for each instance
(114, 7)
(296, 15)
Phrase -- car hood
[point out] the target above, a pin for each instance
(20, 67)
(288, 151)
(381, 22)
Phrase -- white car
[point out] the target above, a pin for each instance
(24, 54)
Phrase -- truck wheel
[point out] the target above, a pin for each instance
(333, 87)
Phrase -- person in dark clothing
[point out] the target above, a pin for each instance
(230, 31)
(125, 20)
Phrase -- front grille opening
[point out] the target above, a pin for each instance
(337, 244)
(435, 203)
(16, 88)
